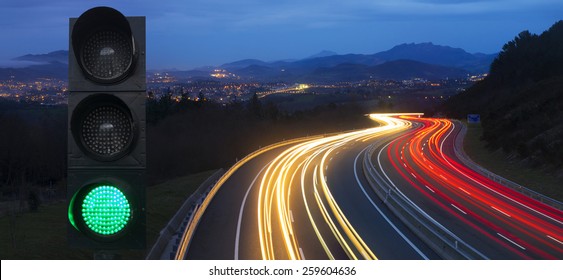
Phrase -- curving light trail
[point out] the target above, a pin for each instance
(277, 233)
(293, 213)
(519, 224)
(295, 180)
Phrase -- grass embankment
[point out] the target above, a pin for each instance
(43, 234)
(534, 179)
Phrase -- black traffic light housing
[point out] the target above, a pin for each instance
(107, 131)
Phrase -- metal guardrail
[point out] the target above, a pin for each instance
(460, 153)
(182, 216)
(436, 236)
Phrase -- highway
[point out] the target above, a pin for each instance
(496, 221)
(306, 200)
(309, 199)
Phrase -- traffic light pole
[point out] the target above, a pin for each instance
(107, 255)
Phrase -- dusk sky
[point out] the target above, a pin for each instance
(184, 34)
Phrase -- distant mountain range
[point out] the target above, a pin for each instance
(56, 56)
(424, 60)
(50, 65)
(323, 53)
(402, 69)
(33, 72)
(440, 55)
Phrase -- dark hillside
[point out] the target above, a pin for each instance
(521, 101)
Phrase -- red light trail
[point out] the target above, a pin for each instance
(425, 159)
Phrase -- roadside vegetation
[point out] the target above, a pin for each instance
(538, 180)
(521, 106)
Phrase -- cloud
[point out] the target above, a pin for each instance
(250, 13)
(226, 24)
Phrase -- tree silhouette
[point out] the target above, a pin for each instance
(521, 101)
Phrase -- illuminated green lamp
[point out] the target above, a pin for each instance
(104, 210)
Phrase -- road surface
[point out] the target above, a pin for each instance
(309, 199)
(498, 222)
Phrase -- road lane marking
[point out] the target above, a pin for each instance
(381, 212)
(507, 239)
(554, 239)
(429, 188)
(463, 190)
(413, 175)
(241, 211)
(506, 214)
(443, 177)
(416, 206)
(487, 187)
(301, 253)
(458, 209)
(405, 164)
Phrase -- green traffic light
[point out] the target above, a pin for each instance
(105, 210)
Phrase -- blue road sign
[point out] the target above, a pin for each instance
(473, 118)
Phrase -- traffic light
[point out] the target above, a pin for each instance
(106, 131)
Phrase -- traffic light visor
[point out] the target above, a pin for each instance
(103, 45)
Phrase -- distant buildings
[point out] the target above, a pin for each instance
(43, 91)
(223, 87)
